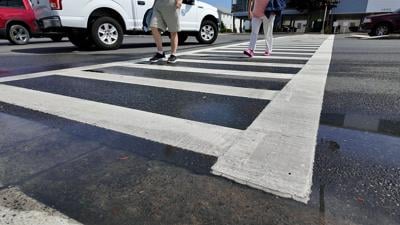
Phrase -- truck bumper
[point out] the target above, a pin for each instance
(3, 33)
(366, 27)
(50, 23)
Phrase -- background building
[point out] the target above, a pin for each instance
(231, 23)
(348, 14)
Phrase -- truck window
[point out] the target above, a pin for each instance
(12, 3)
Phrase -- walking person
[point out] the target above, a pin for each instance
(165, 16)
(264, 12)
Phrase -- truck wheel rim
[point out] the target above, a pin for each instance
(108, 33)
(19, 34)
(207, 32)
(382, 30)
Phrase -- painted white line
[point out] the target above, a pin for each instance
(294, 50)
(23, 77)
(177, 85)
(195, 136)
(266, 64)
(276, 153)
(210, 71)
(260, 52)
(255, 57)
(278, 47)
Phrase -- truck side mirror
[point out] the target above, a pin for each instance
(189, 2)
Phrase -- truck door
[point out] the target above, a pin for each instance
(140, 7)
(188, 14)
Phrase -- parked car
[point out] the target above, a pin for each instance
(19, 22)
(85, 22)
(378, 25)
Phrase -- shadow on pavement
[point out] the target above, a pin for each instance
(69, 49)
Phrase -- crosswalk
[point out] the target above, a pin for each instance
(259, 116)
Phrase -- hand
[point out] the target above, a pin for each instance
(178, 4)
(250, 15)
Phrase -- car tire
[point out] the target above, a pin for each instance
(80, 39)
(182, 37)
(381, 29)
(107, 33)
(57, 38)
(18, 34)
(208, 32)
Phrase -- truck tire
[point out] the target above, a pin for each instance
(80, 39)
(208, 32)
(182, 37)
(56, 38)
(18, 34)
(106, 33)
(381, 29)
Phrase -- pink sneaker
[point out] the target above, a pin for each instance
(267, 53)
(249, 53)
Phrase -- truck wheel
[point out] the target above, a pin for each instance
(381, 29)
(18, 34)
(56, 38)
(107, 33)
(80, 39)
(208, 32)
(182, 37)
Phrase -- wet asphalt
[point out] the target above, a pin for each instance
(102, 177)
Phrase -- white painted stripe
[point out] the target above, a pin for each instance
(260, 52)
(276, 153)
(255, 57)
(210, 71)
(22, 77)
(195, 136)
(278, 47)
(286, 65)
(283, 46)
(177, 85)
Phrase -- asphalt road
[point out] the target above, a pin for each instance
(98, 176)
(39, 55)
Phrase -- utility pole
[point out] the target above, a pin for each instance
(329, 4)
(323, 22)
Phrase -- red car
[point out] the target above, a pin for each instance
(378, 25)
(19, 22)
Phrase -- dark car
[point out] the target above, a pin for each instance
(378, 25)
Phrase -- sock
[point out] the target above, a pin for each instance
(161, 52)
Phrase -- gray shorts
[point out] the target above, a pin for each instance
(166, 16)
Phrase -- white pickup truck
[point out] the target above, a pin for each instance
(103, 23)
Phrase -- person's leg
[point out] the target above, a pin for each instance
(268, 32)
(255, 29)
(157, 39)
(174, 42)
(157, 24)
(170, 15)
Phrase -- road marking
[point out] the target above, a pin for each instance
(177, 85)
(277, 49)
(276, 153)
(195, 136)
(23, 77)
(286, 65)
(280, 47)
(260, 52)
(210, 71)
(255, 57)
